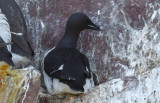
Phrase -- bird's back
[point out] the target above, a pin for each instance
(75, 68)
(72, 66)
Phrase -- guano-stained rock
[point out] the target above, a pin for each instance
(19, 85)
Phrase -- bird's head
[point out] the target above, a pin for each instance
(79, 21)
(76, 23)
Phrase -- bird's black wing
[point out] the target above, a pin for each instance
(77, 66)
(85, 62)
(53, 65)
(21, 43)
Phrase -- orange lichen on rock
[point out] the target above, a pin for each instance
(15, 84)
(10, 82)
(4, 65)
(3, 73)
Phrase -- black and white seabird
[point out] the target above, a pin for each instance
(65, 69)
(20, 49)
(5, 37)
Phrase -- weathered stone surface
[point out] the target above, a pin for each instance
(19, 86)
(124, 51)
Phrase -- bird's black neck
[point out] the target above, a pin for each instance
(69, 39)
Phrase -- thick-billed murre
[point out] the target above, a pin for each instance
(17, 33)
(5, 37)
(65, 69)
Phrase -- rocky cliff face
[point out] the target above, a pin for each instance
(124, 55)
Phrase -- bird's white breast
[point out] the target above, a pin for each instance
(5, 33)
(20, 60)
(89, 84)
(60, 87)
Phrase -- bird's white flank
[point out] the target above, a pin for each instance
(5, 33)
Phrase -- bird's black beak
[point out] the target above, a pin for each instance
(94, 27)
